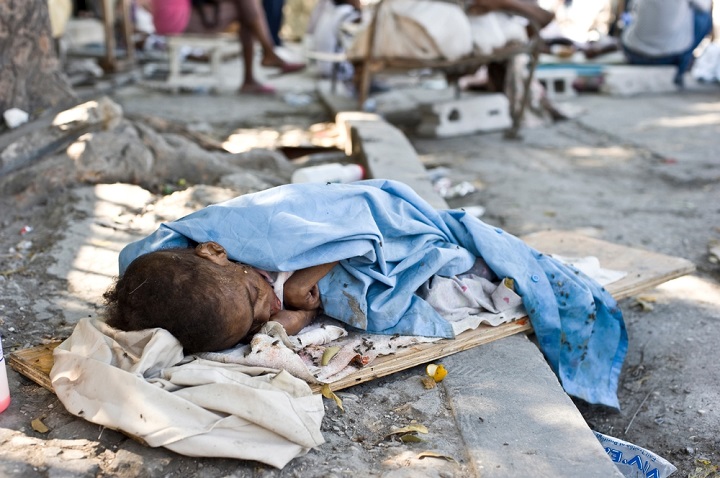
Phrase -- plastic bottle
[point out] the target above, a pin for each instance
(4, 388)
(328, 173)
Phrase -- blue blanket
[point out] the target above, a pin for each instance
(389, 242)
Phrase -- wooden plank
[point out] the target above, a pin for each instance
(645, 270)
(35, 363)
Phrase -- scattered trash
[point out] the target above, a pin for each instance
(645, 302)
(14, 117)
(444, 186)
(297, 99)
(329, 173)
(25, 230)
(436, 372)
(634, 461)
(23, 245)
(428, 382)
(705, 469)
(4, 388)
(39, 426)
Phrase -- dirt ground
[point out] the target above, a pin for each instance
(641, 172)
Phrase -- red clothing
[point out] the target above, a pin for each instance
(171, 16)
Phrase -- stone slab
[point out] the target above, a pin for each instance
(514, 417)
(386, 153)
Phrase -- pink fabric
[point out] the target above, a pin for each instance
(171, 16)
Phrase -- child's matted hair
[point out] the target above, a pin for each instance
(173, 289)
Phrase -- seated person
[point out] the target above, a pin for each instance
(360, 251)
(172, 17)
(666, 33)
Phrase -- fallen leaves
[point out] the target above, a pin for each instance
(39, 426)
(432, 454)
(409, 433)
(328, 354)
(645, 302)
(328, 393)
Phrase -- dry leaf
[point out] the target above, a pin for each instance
(410, 429)
(645, 302)
(328, 393)
(432, 454)
(410, 438)
(328, 354)
(39, 426)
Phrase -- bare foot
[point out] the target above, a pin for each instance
(284, 66)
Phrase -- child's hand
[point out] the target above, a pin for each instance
(302, 297)
(301, 290)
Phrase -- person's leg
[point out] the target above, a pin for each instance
(247, 41)
(702, 24)
(251, 17)
(274, 15)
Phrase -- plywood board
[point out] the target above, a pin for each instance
(35, 363)
(645, 270)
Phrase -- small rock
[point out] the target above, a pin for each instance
(14, 117)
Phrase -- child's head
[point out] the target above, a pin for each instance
(206, 301)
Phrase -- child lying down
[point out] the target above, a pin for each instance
(359, 252)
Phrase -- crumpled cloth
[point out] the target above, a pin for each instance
(465, 301)
(420, 29)
(390, 242)
(140, 383)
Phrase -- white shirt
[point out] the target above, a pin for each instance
(662, 27)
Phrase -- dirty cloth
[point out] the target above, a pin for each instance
(139, 383)
(390, 242)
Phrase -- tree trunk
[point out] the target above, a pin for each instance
(30, 76)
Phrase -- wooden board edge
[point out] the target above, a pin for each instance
(23, 362)
(423, 353)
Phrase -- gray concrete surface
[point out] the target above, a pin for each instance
(608, 173)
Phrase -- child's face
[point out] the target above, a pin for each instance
(251, 300)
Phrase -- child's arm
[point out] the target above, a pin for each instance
(294, 320)
(301, 290)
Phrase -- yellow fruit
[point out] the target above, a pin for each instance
(437, 372)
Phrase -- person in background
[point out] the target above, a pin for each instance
(274, 16)
(172, 17)
(665, 32)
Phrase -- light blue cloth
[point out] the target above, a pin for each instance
(389, 242)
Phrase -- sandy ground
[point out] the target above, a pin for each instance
(637, 171)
